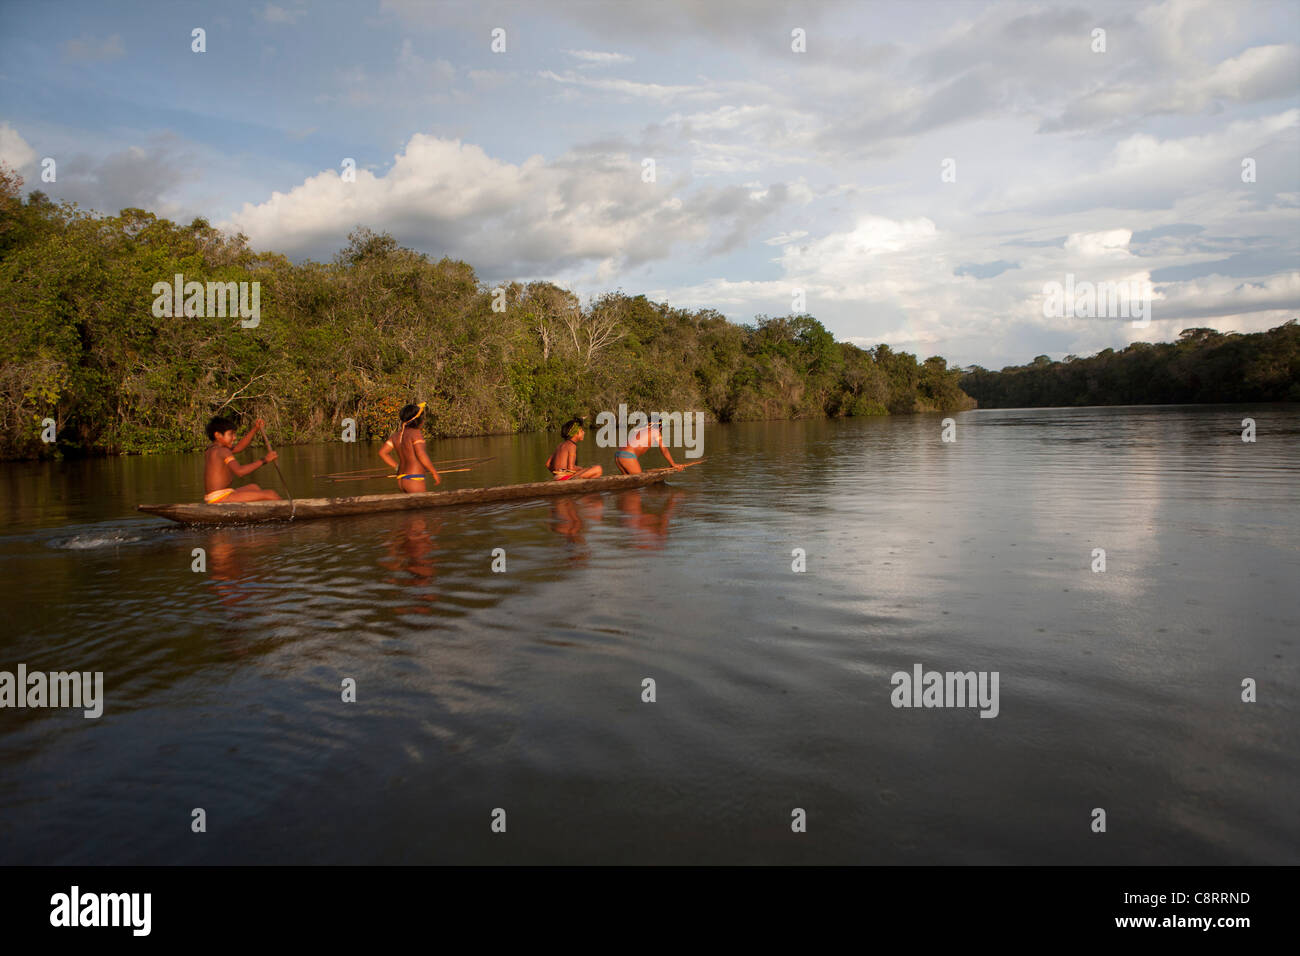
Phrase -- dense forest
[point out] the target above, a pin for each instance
(360, 336)
(1202, 366)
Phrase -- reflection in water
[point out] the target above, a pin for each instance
(570, 517)
(227, 554)
(411, 550)
(648, 516)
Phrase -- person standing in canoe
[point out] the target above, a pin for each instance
(408, 442)
(638, 443)
(563, 463)
(220, 468)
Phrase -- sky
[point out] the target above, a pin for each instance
(910, 173)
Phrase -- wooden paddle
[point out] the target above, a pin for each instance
(445, 471)
(375, 472)
(684, 464)
(277, 468)
(456, 461)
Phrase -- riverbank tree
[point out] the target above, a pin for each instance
(1202, 366)
(360, 336)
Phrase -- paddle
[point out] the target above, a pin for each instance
(456, 461)
(375, 472)
(684, 464)
(277, 469)
(444, 471)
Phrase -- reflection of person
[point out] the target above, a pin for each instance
(409, 445)
(638, 443)
(226, 567)
(563, 463)
(565, 519)
(651, 528)
(228, 571)
(221, 468)
(569, 516)
(411, 549)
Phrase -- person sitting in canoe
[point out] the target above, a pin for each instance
(638, 443)
(220, 468)
(408, 442)
(563, 463)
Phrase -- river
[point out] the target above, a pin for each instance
(523, 690)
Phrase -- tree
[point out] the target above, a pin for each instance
(359, 336)
(1204, 365)
(364, 245)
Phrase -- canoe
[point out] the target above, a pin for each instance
(253, 512)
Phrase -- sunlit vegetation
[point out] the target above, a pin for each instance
(362, 335)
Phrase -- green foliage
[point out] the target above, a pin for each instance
(1203, 366)
(362, 335)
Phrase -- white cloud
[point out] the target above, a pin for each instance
(1143, 171)
(1110, 244)
(594, 58)
(1216, 296)
(1258, 73)
(1176, 31)
(509, 219)
(657, 92)
(843, 254)
(1261, 72)
(14, 150)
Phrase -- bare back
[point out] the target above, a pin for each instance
(404, 442)
(643, 439)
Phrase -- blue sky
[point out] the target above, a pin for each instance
(775, 170)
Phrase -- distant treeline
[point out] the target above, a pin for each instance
(361, 336)
(1202, 366)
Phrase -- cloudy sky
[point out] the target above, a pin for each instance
(775, 170)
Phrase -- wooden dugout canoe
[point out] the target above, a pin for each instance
(253, 512)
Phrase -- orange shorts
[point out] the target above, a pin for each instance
(212, 497)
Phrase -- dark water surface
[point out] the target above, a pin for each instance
(522, 690)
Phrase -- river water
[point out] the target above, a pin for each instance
(522, 691)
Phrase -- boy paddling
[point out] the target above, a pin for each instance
(563, 463)
(638, 443)
(220, 467)
(408, 442)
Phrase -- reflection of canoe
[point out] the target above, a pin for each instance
(250, 512)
